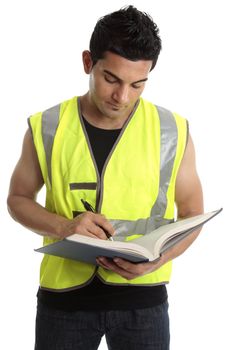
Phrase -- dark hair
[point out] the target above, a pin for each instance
(129, 33)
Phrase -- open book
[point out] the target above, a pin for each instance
(148, 247)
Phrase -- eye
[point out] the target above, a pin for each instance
(138, 85)
(110, 79)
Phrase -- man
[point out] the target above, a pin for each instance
(133, 162)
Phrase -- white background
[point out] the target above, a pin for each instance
(41, 45)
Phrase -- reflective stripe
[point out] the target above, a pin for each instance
(50, 120)
(168, 144)
(125, 228)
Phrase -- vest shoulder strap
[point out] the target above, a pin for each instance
(50, 121)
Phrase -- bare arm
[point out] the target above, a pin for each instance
(25, 184)
(188, 197)
(189, 201)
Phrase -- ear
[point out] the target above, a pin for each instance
(87, 61)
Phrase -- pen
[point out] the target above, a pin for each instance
(89, 207)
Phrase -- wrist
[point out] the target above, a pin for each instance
(61, 227)
(163, 260)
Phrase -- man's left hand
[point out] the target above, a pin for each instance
(128, 269)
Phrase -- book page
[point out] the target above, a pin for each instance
(124, 247)
(154, 240)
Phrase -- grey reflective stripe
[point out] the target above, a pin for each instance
(50, 120)
(125, 228)
(168, 145)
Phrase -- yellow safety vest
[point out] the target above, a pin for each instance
(135, 191)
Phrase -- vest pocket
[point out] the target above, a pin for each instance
(83, 186)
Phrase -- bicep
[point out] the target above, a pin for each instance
(188, 192)
(27, 179)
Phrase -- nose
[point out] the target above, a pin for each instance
(121, 94)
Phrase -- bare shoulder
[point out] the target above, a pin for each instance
(27, 178)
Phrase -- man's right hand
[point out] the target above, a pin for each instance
(88, 224)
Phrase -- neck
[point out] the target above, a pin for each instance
(98, 119)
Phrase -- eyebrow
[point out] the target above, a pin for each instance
(117, 78)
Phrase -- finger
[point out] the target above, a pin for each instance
(101, 263)
(101, 221)
(86, 230)
(97, 231)
(110, 265)
(136, 269)
(126, 265)
(86, 233)
(88, 223)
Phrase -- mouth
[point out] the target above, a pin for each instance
(114, 106)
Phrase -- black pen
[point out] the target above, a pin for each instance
(89, 207)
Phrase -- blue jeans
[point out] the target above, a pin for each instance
(141, 329)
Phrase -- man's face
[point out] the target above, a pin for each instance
(115, 85)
